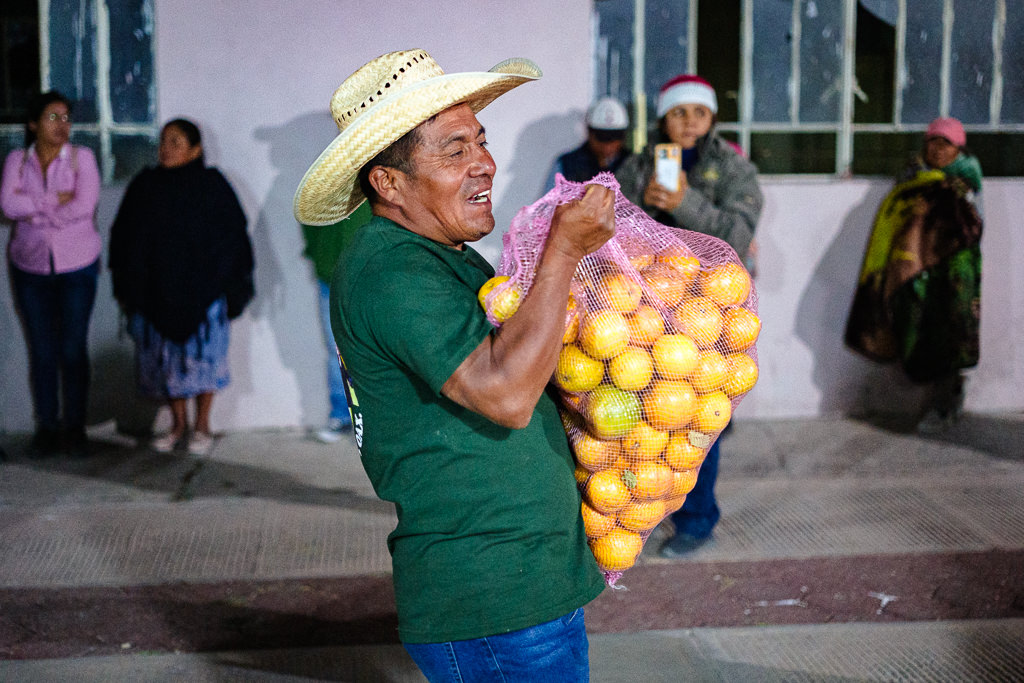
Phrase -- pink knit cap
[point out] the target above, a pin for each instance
(948, 128)
(686, 89)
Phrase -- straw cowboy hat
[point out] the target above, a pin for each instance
(378, 104)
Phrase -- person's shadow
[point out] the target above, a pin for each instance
(850, 384)
(286, 294)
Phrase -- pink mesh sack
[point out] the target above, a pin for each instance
(659, 348)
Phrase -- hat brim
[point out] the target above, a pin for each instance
(329, 191)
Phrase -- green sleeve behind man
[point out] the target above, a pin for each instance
(325, 243)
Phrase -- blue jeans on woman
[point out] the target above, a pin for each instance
(55, 310)
(556, 651)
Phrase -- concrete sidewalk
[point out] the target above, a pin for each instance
(796, 495)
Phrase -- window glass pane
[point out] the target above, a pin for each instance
(773, 39)
(885, 154)
(1000, 154)
(793, 152)
(132, 153)
(73, 54)
(875, 64)
(718, 53)
(88, 139)
(131, 60)
(665, 27)
(821, 59)
(971, 67)
(19, 63)
(10, 141)
(730, 135)
(1012, 110)
(924, 61)
(614, 46)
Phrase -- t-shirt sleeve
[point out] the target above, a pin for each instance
(426, 320)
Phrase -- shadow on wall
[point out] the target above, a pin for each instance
(529, 171)
(113, 392)
(849, 383)
(288, 302)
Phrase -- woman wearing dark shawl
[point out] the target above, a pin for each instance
(182, 267)
(918, 298)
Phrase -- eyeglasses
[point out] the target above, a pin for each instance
(63, 118)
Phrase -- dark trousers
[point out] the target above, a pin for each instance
(700, 512)
(55, 311)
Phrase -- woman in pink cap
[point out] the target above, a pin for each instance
(945, 149)
(717, 193)
(918, 299)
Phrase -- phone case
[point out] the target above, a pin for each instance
(668, 159)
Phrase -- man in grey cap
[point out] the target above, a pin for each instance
(604, 149)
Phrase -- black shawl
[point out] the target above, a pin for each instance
(178, 244)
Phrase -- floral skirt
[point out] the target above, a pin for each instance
(167, 369)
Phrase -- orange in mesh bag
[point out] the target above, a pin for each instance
(659, 348)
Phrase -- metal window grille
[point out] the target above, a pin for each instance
(950, 58)
(99, 54)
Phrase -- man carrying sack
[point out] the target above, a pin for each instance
(453, 418)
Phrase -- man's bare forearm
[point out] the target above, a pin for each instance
(504, 377)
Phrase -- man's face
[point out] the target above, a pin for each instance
(448, 195)
(606, 150)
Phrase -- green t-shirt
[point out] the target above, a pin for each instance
(325, 242)
(489, 536)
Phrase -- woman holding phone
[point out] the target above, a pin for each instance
(716, 192)
(690, 177)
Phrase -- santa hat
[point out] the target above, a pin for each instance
(686, 89)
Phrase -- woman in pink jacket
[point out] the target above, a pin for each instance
(49, 190)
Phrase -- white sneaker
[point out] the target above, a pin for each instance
(333, 432)
(201, 443)
(166, 443)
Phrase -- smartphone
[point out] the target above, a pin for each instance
(668, 161)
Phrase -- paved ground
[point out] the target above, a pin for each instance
(849, 550)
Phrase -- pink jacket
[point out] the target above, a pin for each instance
(44, 229)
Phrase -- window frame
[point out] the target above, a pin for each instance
(105, 128)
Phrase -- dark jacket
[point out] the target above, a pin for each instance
(581, 164)
(178, 244)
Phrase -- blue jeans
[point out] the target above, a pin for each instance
(335, 384)
(700, 512)
(55, 310)
(555, 652)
